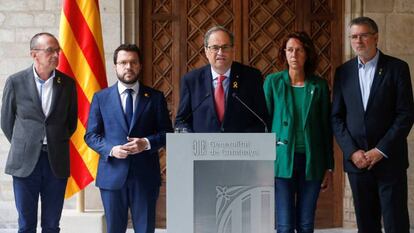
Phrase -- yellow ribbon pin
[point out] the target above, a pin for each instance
(235, 85)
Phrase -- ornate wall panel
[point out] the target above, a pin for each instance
(162, 42)
(202, 15)
(321, 30)
(269, 22)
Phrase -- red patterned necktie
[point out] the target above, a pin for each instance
(219, 97)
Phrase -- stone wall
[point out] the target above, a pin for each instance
(395, 19)
(19, 21)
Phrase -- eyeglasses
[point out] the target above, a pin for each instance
(216, 48)
(125, 63)
(362, 36)
(293, 50)
(49, 50)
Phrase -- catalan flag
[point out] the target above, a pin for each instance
(82, 57)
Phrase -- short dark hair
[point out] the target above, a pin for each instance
(129, 48)
(215, 29)
(365, 21)
(311, 56)
(35, 38)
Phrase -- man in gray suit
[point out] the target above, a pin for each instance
(38, 117)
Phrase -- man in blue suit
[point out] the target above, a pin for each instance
(127, 125)
(372, 115)
(211, 96)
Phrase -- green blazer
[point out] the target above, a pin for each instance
(317, 129)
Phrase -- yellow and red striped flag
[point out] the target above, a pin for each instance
(82, 57)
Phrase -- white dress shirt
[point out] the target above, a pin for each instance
(122, 87)
(45, 91)
(225, 83)
(366, 78)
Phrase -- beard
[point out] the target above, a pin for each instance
(128, 77)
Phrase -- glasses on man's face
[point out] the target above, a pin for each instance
(362, 36)
(49, 50)
(126, 63)
(216, 48)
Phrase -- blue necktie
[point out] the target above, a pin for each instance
(129, 107)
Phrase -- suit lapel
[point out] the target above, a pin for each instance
(288, 94)
(32, 89)
(141, 102)
(234, 83)
(57, 90)
(114, 101)
(355, 86)
(207, 78)
(310, 89)
(377, 79)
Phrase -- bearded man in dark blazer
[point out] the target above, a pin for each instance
(38, 117)
(211, 97)
(127, 126)
(372, 115)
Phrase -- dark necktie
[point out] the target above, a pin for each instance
(219, 98)
(129, 106)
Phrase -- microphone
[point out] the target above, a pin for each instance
(250, 110)
(195, 108)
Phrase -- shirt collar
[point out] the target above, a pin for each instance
(215, 74)
(371, 63)
(37, 77)
(123, 86)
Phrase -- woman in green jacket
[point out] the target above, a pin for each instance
(298, 102)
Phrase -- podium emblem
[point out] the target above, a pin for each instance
(199, 147)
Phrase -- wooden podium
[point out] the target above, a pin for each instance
(220, 182)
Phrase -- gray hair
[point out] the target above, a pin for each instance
(34, 40)
(215, 29)
(365, 21)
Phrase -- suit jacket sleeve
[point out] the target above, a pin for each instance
(404, 112)
(8, 110)
(326, 128)
(338, 120)
(73, 110)
(268, 93)
(163, 124)
(94, 136)
(260, 103)
(184, 118)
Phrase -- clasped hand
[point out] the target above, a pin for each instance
(368, 159)
(133, 146)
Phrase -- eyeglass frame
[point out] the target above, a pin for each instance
(48, 50)
(363, 36)
(216, 48)
(125, 63)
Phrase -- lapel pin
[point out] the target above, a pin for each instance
(380, 71)
(146, 94)
(235, 85)
(58, 80)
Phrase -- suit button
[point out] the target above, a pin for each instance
(285, 123)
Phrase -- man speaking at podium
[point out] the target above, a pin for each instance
(223, 96)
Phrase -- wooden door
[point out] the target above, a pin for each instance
(171, 37)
